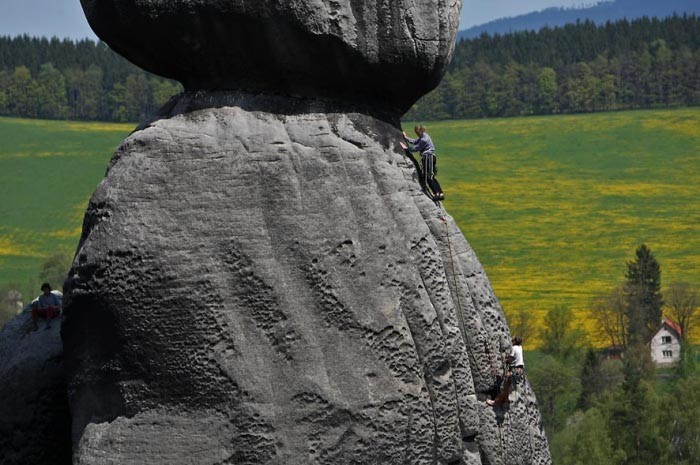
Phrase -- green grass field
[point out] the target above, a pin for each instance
(553, 206)
(48, 170)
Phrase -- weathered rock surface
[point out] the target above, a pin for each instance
(260, 279)
(34, 416)
(273, 287)
(385, 54)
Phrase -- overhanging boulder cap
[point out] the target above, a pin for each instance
(388, 53)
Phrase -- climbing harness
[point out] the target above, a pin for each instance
(518, 375)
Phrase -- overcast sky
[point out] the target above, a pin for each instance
(64, 18)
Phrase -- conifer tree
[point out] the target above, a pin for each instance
(644, 300)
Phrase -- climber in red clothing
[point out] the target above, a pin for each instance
(47, 306)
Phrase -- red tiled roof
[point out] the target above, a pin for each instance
(673, 325)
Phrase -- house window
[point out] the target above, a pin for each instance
(666, 339)
(668, 353)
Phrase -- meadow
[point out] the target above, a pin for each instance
(48, 171)
(554, 206)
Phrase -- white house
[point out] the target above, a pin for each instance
(666, 343)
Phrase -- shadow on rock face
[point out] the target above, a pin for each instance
(34, 416)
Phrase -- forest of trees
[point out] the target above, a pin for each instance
(84, 80)
(576, 68)
(580, 67)
(610, 411)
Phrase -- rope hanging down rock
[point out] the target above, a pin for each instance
(458, 310)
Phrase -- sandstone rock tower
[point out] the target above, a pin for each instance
(260, 279)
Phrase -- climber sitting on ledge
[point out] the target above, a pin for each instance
(424, 145)
(47, 305)
(515, 372)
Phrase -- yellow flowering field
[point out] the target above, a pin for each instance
(554, 206)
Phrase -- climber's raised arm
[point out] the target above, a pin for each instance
(409, 140)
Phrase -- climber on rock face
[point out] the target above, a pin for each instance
(514, 372)
(424, 145)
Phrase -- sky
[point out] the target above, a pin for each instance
(475, 12)
(64, 18)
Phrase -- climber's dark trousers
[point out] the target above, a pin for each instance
(428, 164)
(502, 396)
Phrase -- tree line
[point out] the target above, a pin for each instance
(618, 410)
(83, 80)
(580, 67)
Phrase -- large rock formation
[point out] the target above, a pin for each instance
(34, 416)
(261, 279)
(386, 54)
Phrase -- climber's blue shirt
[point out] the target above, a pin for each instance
(424, 144)
(44, 301)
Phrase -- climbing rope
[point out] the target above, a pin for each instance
(505, 429)
(529, 428)
(460, 317)
(458, 311)
(506, 426)
(502, 437)
(441, 217)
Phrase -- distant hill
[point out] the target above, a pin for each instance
(599, 13)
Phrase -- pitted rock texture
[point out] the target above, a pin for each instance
(35, 422)
(386, 54)
(258, 287)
